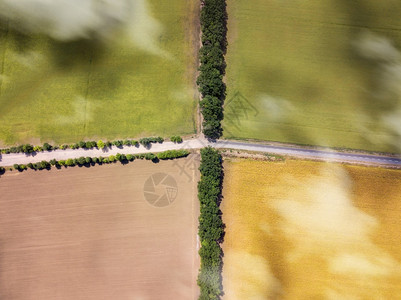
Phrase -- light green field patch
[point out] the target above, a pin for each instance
(133, 84)
(302, 70)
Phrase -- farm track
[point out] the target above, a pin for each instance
(299, 152)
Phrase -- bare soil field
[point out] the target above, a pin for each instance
(90, 233)
(310, 230)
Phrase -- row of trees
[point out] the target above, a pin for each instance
(28, 148)
(176, 139)
(147, 141)
(88, 161)
(212, 65)
(211, 227)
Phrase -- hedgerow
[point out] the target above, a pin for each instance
(212, 65)
(88, 161)
(211, 226)
(170, 154)
(28, 148)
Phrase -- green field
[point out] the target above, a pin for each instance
(135, 84)
(315, 72)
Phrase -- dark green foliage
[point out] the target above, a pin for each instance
(211, 226)
(81, 144)
(2, 170)
(30, 165)
(90, 144)
(14, 150)
(44, 164)
(170, 154)
(118, 143)
(27, 148)
(176, 139)
(88, 160)
(95, 160)
(130, 157)
(150, 156)
(212, 65)
(146, 141)
(69, 162)
(121, 157)
(81, 161)
(16, 167)
(53, 162)
(47, 147)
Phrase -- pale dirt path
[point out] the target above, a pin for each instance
(301, 152)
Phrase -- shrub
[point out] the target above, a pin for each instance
(81, 161)
(90, 144)
(112, 158)
(88, 160)
(117, 143)
(69, 162)
(170, 154)
(47, 147)
(176, 139)
(13, 149)
(44, 164)
(130, 157)
(121, 157)
(100, 144)
(53, 162)
(16, 167)
(95, 160)
(63, 147)
(27, 148)
(146, 141)
(30, 165)
(150, 156)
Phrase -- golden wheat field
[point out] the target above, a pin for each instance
(311, 230)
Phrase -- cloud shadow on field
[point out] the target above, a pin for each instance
(65, 55)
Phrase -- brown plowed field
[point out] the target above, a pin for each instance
(89, 233)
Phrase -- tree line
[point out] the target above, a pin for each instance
(211, 227)
(28, 148)
(212, 65)
(91, 161)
